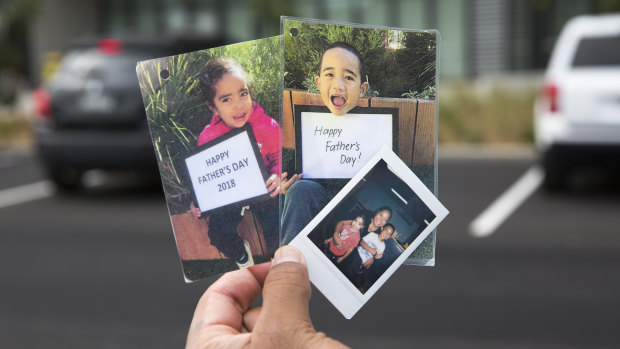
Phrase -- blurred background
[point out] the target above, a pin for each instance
(87, 257)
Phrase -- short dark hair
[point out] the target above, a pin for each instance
(389, 225)
(383, 208)
(343, 45)
(360, 215)
(213, 72)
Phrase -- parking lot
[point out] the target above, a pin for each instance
(100, 268)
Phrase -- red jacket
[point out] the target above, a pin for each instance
(266, 131)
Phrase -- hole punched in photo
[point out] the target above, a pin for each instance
(164, 74)
(294, 32)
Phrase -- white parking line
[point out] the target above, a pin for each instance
(25, 193)
(491, 218)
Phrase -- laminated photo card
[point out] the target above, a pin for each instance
(350, 90)
(368, 230)
(214, 121)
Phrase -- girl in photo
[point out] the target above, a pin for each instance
(345, 239)
(228, 96)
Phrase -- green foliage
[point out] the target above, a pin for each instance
(417, 62)
(177, 112)
(310, 84)
(16, 17)
(397, 62)
(429, 93)
(262, 60)
(499, 116)
(303, 52)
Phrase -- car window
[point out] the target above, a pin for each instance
(598, 52)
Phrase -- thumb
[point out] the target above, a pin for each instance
(285, 321)
(286, 291)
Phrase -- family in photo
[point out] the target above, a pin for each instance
(354, 256)
(368, 229)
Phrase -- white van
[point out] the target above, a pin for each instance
(577, 118)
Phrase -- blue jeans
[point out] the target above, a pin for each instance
(303, 201)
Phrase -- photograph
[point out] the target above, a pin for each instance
(359, 239)
(365, 233)
(350, 89)
(214, 121)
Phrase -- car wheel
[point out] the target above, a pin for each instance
(65, 178)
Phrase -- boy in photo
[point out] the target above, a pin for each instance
(371, 247)
(341, 79)
(341, 83)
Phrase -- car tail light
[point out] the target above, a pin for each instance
(110, 47)
(552, 92)
(42, 103)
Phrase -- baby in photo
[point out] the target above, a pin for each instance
(345, 239)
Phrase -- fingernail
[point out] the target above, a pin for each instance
(287, 253)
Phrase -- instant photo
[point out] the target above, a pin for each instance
(363, 235)
(214, 121)
(349, 90)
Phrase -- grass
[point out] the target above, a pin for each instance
(15, 131)
(501, 116)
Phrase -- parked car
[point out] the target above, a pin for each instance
(577, 118)
(91, 114)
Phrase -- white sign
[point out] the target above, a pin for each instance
(226, 173)
(339, 146)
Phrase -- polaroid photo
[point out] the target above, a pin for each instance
(214, 121)
(349, 90)
(367, 231)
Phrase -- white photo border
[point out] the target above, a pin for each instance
(325, 275)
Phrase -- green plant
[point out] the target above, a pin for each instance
(396, 61)
(428, 93)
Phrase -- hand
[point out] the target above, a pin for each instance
(378, 255)
(287, 183)
(338, 241)
(368, 263)
(224, 319)
(339, 259)
(195, 210)
(273, 185)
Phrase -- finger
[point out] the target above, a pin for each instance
(271, 179)
(275, 192)
(284, 321)
(273, 185)
(283, 175)
(293, 179)
(250, 317)
(220, 308)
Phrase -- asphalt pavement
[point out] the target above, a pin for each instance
(99, 268)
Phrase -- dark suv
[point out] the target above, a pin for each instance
(91, 115)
